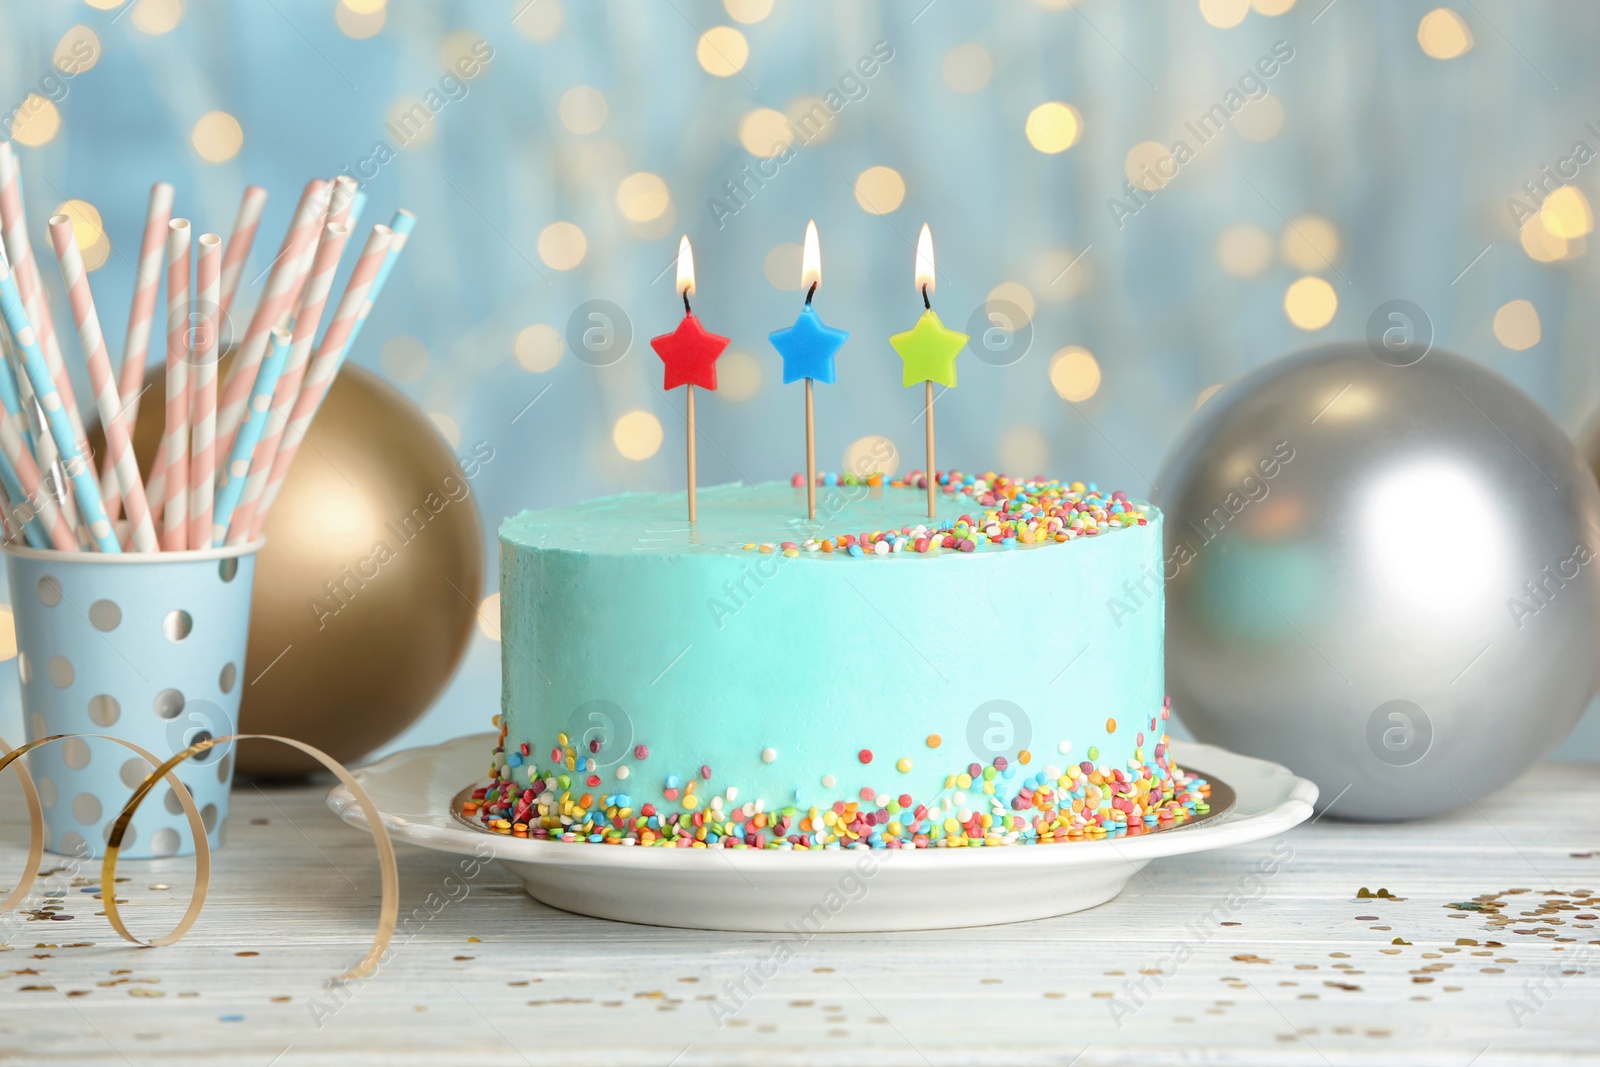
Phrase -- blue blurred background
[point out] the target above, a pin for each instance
(1168, 193)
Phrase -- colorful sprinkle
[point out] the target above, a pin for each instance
(903, 765)
(1008, 513)
(934, 740)
(768, 755)
(865, 755)
(1005, 806)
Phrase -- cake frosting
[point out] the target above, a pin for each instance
(871, 678)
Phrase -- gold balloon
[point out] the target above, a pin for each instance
(368, 587)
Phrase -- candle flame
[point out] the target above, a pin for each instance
(925, 261)
(685, 267)
(810, 260)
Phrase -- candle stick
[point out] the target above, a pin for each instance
(689, 355)
(808, 348)
(929, 352)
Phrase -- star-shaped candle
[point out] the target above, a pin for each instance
(690, 356)
(808, 348)
(929, 352)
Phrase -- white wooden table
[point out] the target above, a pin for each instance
(1287, 968)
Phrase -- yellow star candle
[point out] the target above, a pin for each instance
(928, 352)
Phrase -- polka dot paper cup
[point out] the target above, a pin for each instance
(148, 647)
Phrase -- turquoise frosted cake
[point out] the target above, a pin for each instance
(758, 680)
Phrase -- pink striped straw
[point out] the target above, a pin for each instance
(203, 394)
(136, 349)
(119, 448)
(278, 300)
(324, 365)
(43, 504)
(240, 239)
(19, 249)
(175, 512)
(306, 319)
(344, 196)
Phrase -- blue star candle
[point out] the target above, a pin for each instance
(808, 348)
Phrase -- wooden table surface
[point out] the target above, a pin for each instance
(1485, 952)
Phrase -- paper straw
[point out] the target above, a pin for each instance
(77, 467)
(240, 239)
(119, 449)
(278, 300)
(401, 224)
(306, 320)
(329, 357)
(203, 392)
(25, 271)
(44, 448)
(30, 486)
(357, 206)
(19, 508)
(10, 397)
(175, 512)
(343, 200)
(136, 348)
(231, 485)
(10, 491)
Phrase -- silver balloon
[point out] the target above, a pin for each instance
(1385, 577)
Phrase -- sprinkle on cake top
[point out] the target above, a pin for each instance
(1009, 512)
(857, 515)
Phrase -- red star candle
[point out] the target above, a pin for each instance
(689, 354)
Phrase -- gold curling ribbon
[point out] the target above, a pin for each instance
(388, 914)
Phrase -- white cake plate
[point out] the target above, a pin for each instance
(831, 891)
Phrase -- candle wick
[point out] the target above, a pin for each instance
(811, 293)
(926, 303)
(686, 310)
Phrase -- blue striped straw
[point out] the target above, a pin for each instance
(8, 386)
(402, 224)
(244, 442)
(358, 204)
(85, 486)
(17, 498)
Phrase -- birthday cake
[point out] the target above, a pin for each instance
(873, 678)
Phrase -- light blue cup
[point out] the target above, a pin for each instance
(146, 647)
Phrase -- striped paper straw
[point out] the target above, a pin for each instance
(175, 512)
(136, 348)
(326, 363)
(25, 271)
(10, 397)
(77, 467)
(343, 199)
(30, 486)
(19, 507)
(203, 393)
(44, 448)
(306, 320)
(240, 239)
(401, 224)
(119, 449)
(357, 206)
(278, 300)
(231, 485)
